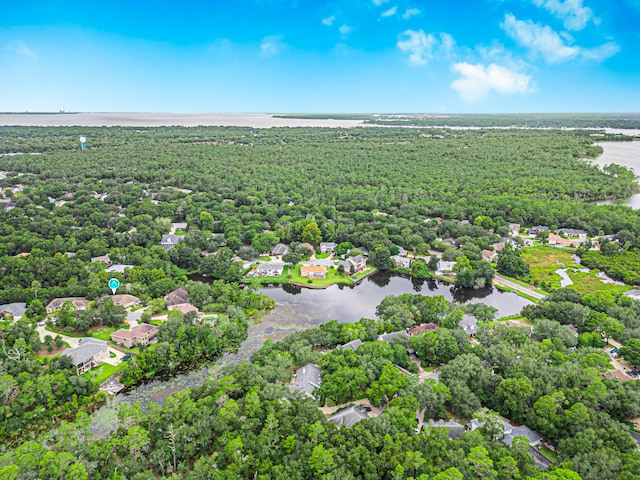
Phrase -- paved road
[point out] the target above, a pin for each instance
(529, 291)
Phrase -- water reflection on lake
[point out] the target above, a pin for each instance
(300, 308)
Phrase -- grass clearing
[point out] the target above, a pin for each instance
(322, 255)
(544, 261)
(588, 282)
(333, 277)
(104, 333)
(103, 372)
(549, 454)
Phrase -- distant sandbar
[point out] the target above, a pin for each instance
(254, 120)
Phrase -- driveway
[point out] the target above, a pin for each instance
(75, 341)
(133, 318)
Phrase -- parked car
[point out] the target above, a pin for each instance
(126, 358)
(633, 374)
(614, 350)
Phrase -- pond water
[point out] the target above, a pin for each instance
(300, 308)
(626, 154)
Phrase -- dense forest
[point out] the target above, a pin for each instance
(240, 191)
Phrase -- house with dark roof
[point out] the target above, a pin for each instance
(523, 431)
(451, 242)
(307, 380)
(139, 335)
(170, 241)
(537, 229)
(489, 256)
(348, 416)
(90, 353)
(13, 310)
(177, 297)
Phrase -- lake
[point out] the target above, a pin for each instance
(626, 154)
(299, 308)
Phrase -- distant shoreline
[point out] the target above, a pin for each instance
(253, 120)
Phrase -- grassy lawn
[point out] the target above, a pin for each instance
(366, 271)
(544, 261)
(104, 333)
(103, 372)
(504, 288)
(588, 282)
(60, 332)
(180, 232)
(264, 259)
(284, 278)
(333, 277)
(549, 454)
(157, 323)
(322, 255)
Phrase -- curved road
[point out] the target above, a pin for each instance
(529, 291)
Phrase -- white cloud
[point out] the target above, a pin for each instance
(574, 15)
(552, 46)
(410, 12)
(329, 20)
(379, 2)
(345, 29)
(539, 39)
(20, 48)
(477, 81)
(421, 47)
(388, 13)
(271, 45)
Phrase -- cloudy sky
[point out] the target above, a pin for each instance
(321, 56)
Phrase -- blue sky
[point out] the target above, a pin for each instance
(321, 56)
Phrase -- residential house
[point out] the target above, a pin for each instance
(313, 271)
(103, 259)
(454, 428)
(401, 251)
(387, 337)
(79, 303)
(270, 269)
(185, 308)
(444, 267)
(309, 246)
(7, 204)
(352, 345)
(489, 256)
(170, 241)
(364, 250)
(139, 335)
(280, 249)
(177, 297)
(348, 416)
(469, 325)
(402, 262)
(90, 353)
(498, 247)
(557, 241)
(523, 431)
(633, 294)
(307, 380)
(118, 268)
(354, 264)
(537, 229)
(13, 310)
(510, 240)
(514, 229)
(572, 233)
(327, 247)
(422, 328)
(451, 242)
(178, 226)
(125, 300)
(477, 423)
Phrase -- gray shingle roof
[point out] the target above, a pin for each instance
(14, 309)
(352, 345)
(455, 429)
(307, 379)
(86, 350)
(348, 416)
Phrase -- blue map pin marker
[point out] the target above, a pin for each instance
(114, 283)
